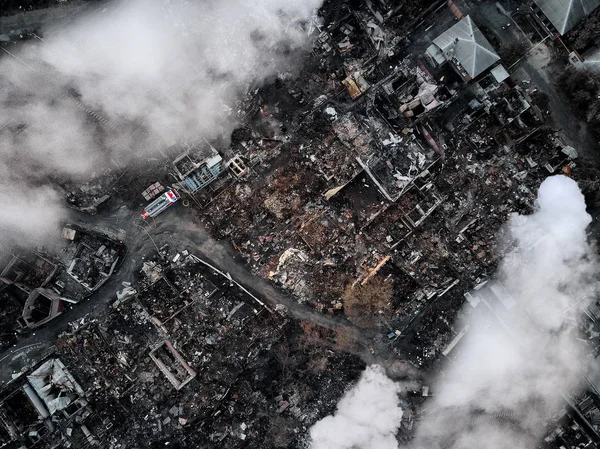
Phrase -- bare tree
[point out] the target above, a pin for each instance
(344, 339)
(363, 304)
(284, 357)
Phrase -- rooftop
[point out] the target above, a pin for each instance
(465, 42)
(565, 14)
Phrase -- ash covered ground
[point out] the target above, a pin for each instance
(316, 224)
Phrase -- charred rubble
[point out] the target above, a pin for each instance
(389, 161)
(38, 285)
(403, 167)
(182, 356)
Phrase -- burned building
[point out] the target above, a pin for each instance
(47, 408)
(397, 164)
(172, 365)
(41, 306)
(90, 259)
(195, 169)
(28, 271)
(47, 283)
(93, 265)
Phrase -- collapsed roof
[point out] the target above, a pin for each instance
(54, 385)
(565, 14)
(465, 42)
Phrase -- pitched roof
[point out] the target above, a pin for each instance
(592, 61)
(465, 42)
(565, 14)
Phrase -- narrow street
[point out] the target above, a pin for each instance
(175, 229)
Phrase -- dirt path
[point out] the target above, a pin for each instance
(186, 233)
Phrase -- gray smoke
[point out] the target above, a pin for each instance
(159, 71)
(367, 417)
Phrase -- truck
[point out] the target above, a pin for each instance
(160, 204)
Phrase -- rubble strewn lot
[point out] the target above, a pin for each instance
(45, 282)
(379, 172)
(183, 360)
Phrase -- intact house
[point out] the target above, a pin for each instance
(560, 16)
(465, 48)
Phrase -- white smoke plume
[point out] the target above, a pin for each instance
(367, 417)
(38, 219)
(521, 355)
(159, 70)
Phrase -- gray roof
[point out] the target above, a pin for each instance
(468, 45)
(499, 73)
(565, 14)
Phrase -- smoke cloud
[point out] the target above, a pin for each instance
(521, 355)
(153, 72)
(367, 417)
